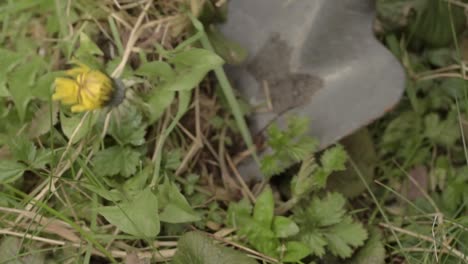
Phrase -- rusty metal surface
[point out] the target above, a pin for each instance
(315, 58)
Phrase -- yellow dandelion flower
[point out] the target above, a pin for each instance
(84, 89)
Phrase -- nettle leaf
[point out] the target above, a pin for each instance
(264, 208)
(284, 227)
(139, 217)
(175, 208)
(10, 171)
(116, 160)
(196, 248)
(343, 237)
(128, 128)
(295, 251)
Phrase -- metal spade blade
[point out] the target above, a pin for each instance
(314, 58)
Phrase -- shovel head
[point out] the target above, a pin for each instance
(318, 59)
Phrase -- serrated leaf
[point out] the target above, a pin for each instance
(9, 60)
(70, 124)
(284, 227)
(445, 132)
(21, 81)
(44, 119)
(334, 159)
(195, 248)
(327, 211)
(174, 206)
(116, 160)
(342, 238)
(10, 252)
(156, 69)
(158, 101)
(238, 211)
(191, 67)
(230, 51)
(127, 128)
(22, 149)
(373, 252)
(10, 171)
(195, 57)
(43, 88)
(139, 217)
(295, 251)
(43, 157)
(87, 46)
(315, 241)
(264, 208)
(261, 237)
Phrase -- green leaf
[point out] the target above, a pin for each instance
(127, 128)
(44, 119)
(156, 69)
(88, 46)
(295, 251)
(345, 236)
(175, 208)
(21, 82)
(139, 217)
(10, 171)
(11, 248)
(373, 252)
(195, 248)
(238, 211)
(445, 132)
(194, 57)
(86, 52)
(284, 227)
(70, 124)
(315, 241)
(327, 211)
(9, 60)
(264, 208)
(43, 88)
(22, 149)
(260, 237)
(116, 160)
(43, 157)
(158, 101)
(191, 67)
(230, 51)
(360, 147)
(334, 159)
